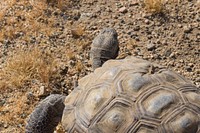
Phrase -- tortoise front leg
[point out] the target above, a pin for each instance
(47, 115)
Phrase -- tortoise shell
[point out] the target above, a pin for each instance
(132, 96)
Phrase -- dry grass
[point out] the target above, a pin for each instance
(70, 55)
(16, 112)
(2, 14)
(154, 6)
(39, 4)
(61, 4)
(31, 24)
(82, 43)
(157, 6)
(27, 22)
(1, 36)
(24, 66)
(79, 66)
(78, 31)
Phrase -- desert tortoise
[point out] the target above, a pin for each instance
(130, 95)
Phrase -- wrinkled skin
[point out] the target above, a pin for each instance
(104, 47)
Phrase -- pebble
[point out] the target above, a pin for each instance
(188, 68)
(134, 3)
(172, 55)
(172, 34)
(150, 46)
(63, 70)
(123, 10)
(42, 91)
(181, 61)
(136, 28)
(147, 21)
(191, 64)
(5, 125)
(180, 25)
(2, 102)
(29, 95)
(85, 15)
(187, 29)
(198, 79)
(164, 42)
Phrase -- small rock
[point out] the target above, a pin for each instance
(172, 55)
(158, 24)
(29, 95)
(149, 37)
(123, 10)
(63, 70)
(180, 25)
(75, 83)
(122, 21)
(158, 41)
(85, 15)
(164, 42)
(147, 21)
(2, 102)
(115, 16)
(198, 79)
(118, 5)
(188, 68)
(187, 29)
(42, 91)
(190, 64)
(5, 125)
(172, 34)
(151, 46)
(134, 3)
(181, 61)
(136, 28)
(168, 53)
(130, 15)
(137, 38)
(72, 63)
(94, 28)
(171, 63)
(198, 71)
(132, 34)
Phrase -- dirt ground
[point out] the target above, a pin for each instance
(45, 44)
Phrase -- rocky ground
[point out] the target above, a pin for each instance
(44, 45)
